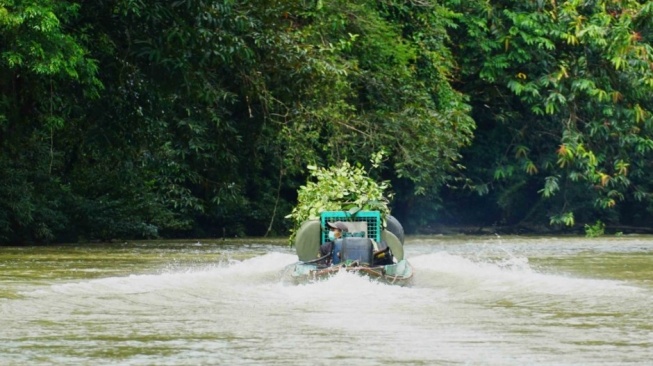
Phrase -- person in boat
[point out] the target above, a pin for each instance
(335, 232)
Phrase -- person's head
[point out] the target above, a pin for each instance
(336, 229)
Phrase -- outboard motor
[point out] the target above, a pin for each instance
(352, 249)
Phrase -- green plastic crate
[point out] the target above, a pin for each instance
(370, 220)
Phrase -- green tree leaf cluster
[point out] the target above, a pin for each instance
(134, 119)
(561, 94)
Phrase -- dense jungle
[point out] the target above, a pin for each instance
(130, 119)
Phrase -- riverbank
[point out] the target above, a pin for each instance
(539, 230)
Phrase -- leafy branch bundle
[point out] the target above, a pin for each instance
(339, 188)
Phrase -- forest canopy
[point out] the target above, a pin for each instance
(132, 119)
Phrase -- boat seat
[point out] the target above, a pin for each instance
(307, 241)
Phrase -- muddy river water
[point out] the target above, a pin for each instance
(474, 301)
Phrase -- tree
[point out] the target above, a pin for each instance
(44, 72)
(561, 95)
(133, 119)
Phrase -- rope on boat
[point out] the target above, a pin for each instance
(394, 279)
(316, 259)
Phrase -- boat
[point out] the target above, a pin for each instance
(372, 246)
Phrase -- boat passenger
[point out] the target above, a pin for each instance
(335, 232)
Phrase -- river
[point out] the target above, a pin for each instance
(474, 301)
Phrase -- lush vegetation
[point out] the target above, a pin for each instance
(561, 95)
(132, 119)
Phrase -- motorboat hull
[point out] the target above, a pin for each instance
(400, 273)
